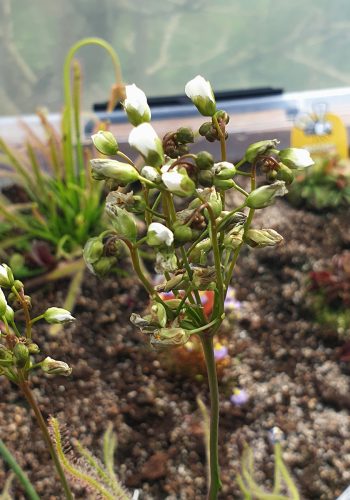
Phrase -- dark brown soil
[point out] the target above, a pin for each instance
(288, 364)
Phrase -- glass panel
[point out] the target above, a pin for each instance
(294, 45)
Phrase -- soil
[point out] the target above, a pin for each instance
(288, 364)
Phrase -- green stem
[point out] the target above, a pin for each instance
(24, 305)
(21, 476)
(215, 483)
(222, 139)
(126, 158)
(41, 422)
(284, 472)
(68, 142)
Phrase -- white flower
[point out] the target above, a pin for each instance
(201, 94)
(296, 158)
(6, 276)
(136, 105)
(3, 303)
(159, 234)
(145, 140)
(58, 315)
(54, 367)
(178, 182)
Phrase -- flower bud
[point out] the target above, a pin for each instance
(33, 348)
(224, 170)
(103, 266)
(105, 142)
(295, 158)
(205, 128)
(213, 198)
(201, 94)
(9, 314)
(182, 234)
(264, 196)
(263, 238)
(57, 315)
(146, 141)
(93, 251)
(151, 174)
(235, 238)
(123, 173)
(54, 367)
(223, 184)
(3, 303)
(184, 135)
(18, 285)
(6, 276)
(284, 174)
(21, 355)
(204, 160)
(136, 105)
(221, 115)
(205, 178)
(123, 222)
(158, 235)
(178, 182)
(259, 148)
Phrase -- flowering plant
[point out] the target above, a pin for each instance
(193, 238)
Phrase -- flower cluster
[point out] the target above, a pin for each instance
(17, 350)
(180, 200)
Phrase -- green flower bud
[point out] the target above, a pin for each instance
(105, 142)
(166, 262)
(224, 170)
(205, 178)
(213, 198)
(178, 182)
(222, 115)
(93, 250)
(103, 266)
(58, 315)
(296, 158)
(263, 238)
(6, 276)
(234, 239)
(284, 174)
(223, 184)
(21, 355)
(204, 160)
(184, 135)
(3, 303)
(18, 285)
(259, 148)
(54, 367)
(158, 235)
(9, 314)
(205, 128)
(265, 195)
(33, 348)
(201, 94)
(123, 222)
(173, 304)
(182, 234)
(123, 173)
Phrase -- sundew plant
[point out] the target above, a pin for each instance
(193, 239)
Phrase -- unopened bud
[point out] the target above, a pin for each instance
(151, 174)
(159, 314)
(224, 170)
(296, 158)
(158, 235)
(201, 94)
(6, 276)
(54, 367)
(184, 135)
(3, 303)
(264, 196)
(182, 234)
(263, 238)
(123, 173)
(205, 178)
(223, 184)
(259, 148)
(93, 250)
(136, 105)
(123, 222)
(178, 182)
(284, 174)
(9, 314)
(205, 128)
(21, 355)
(57, 315)
(33, 348)
(105, 142)
(204, 160)
(223, 116)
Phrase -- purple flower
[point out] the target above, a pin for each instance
(231, 303)
(220, 351)
(239, 397)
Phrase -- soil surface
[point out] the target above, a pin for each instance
(288, 365)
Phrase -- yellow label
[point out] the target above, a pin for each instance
(332, 139)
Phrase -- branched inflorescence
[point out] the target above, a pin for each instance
(174, 210)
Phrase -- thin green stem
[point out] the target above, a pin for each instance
(222, 139)
(208, 349)
(21, 476)
(126, 158)
(284, 472)
(42, 425)
(24, 305)
(217, 258)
